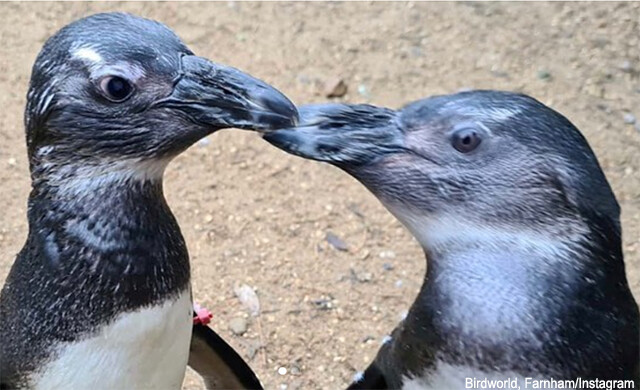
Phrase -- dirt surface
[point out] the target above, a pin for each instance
(253, 215)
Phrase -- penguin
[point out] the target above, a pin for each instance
(525, 275)
(99, 296)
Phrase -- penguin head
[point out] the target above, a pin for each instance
(115, 86)
(471, 164)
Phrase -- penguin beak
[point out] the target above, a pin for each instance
(219, 96)
(344, 135)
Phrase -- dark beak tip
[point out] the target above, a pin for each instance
(225, 97)
(283, 139)
(279, 112)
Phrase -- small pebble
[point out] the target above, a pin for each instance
(204, 142)
(368, 338)
(295, 370)
(248, 298)
(387, 255)
(629, 118)
(282, 371)
(387, 266)
(336, 242)
(12, 161)
(364, 277)
(238, 326)
(544, 75)
(335, 88)
(398, 283)
(323, 304)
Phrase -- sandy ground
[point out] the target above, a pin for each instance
(253, 215)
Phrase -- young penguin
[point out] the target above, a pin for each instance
(99, 297)
(521, 232)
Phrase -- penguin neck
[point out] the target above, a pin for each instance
(111, 223)
(489, 294)
(493, 293)
(114, 195)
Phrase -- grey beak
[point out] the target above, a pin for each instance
(220, 97)
(341, 134)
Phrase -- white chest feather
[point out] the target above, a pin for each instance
(145, 349)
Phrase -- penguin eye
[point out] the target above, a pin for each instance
(465, 140)
(116, 88)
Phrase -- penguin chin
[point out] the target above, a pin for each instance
(146, 169)
(82, 177)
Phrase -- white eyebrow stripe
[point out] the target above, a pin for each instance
(501, 114)
(88, 54)
(100, 68)
(497, 114)
(494, 113)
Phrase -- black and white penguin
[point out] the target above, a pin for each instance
(99, 297)
(520, 228)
